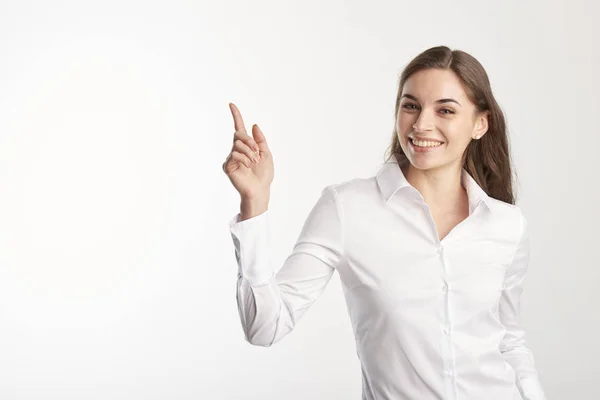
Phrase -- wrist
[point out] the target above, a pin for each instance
(251, 207)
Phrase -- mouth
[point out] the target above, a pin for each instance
(424, 146)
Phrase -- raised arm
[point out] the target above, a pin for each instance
(271, 301)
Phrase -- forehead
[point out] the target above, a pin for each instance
(434, 84)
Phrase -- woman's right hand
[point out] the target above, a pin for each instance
(249, 165)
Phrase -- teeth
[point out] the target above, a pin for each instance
(422, 143)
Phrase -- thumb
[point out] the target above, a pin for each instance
(259, 138)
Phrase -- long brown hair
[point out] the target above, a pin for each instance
(487, 159)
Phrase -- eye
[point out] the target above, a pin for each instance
(410, 106)
(446, 111)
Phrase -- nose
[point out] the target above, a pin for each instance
(424, 122)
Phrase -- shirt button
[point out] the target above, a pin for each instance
(444, 287)
(446, 330)
(440, 249)
(448, 373)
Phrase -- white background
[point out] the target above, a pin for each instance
(117, 269)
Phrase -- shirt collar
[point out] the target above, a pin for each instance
(391, 179)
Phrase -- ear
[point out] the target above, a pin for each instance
(481, 125)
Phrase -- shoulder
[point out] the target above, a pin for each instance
(509, 215)
(506, 209)
(358, 188)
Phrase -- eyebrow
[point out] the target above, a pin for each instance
(441, 101)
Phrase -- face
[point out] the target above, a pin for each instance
(436, 120)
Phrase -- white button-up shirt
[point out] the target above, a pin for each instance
(433, 319)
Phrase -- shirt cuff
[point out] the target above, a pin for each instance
(532, 389)
(251, 240)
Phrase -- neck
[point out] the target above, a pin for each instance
(441, 188)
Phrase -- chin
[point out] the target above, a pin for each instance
(424, 164)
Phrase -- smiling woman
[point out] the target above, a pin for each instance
(432, 253)
(445, 96)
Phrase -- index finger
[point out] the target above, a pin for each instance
(238, 121)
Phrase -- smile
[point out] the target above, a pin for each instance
(424, 145)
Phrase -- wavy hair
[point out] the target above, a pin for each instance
(487, 159)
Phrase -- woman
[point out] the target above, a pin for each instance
(432, 252)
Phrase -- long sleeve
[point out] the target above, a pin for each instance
(513, 346)
(271, 301)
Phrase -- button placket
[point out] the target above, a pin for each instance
(445, 326)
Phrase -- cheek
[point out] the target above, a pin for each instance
(404, 123)
(456, 133)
